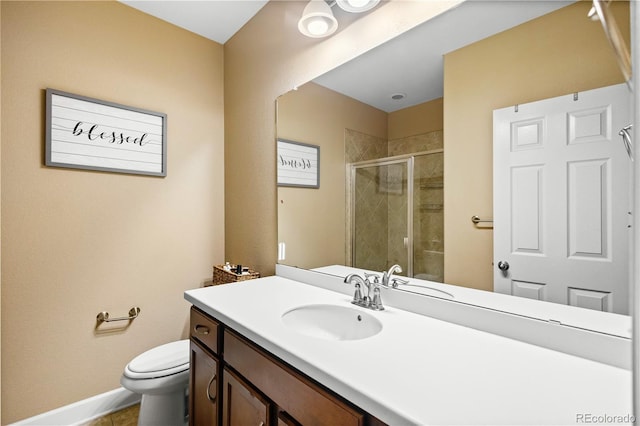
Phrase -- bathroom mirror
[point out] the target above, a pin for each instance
(509, 53)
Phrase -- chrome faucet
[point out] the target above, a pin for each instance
(388, 280)
(373, 282)
(358, 299)
(386, 276)
(366, 301)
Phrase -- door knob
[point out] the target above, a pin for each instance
(503, 266)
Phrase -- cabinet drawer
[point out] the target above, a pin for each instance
(204, 329)
(304, 400)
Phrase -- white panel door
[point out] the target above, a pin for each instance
(562, 200)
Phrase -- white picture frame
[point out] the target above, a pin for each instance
(298, 164)
(91, 134)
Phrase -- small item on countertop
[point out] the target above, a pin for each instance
(228, 273)
(239, 269)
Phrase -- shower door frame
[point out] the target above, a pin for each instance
(408, 159)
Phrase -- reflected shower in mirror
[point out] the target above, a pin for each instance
(375, 132)
(401, 198)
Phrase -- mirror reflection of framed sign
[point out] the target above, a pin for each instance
(90, 134)
(298, 164)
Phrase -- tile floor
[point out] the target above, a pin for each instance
(126, 417)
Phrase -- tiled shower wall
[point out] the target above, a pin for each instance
(381, 214)
(418, 143)
(371, 221)
(428, 214)
(362, 147)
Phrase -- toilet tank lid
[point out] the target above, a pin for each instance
(163, 357)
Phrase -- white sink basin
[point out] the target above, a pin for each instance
(332, 322)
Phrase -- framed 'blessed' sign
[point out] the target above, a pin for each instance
(86, 133)
(298, 164)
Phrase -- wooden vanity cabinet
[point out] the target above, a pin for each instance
(205, 371)
(296, 395)
(253, 387)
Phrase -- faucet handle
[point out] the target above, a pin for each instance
(357, 295)
(376, 277)
(396, 281)
(376, 303)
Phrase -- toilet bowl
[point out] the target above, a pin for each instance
(161, 376)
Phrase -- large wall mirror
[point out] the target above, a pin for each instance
(406, 142)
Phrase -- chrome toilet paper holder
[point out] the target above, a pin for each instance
(104, 316)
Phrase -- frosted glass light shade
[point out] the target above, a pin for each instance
(317, 20)
(357, 6)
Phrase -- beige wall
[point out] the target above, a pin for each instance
(267, 58)
(557, 54)
(75, 243)
(312, 221)
(416, 120)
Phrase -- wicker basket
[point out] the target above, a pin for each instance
(220, 276)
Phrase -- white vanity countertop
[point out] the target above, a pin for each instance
(419, 370)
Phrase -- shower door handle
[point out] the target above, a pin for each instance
(405, 242)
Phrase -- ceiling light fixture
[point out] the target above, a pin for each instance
(317, 20)
(357, 6)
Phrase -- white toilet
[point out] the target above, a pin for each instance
(161, 375)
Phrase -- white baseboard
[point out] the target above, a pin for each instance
(86, 410)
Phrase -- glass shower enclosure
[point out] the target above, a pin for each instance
(396, 214)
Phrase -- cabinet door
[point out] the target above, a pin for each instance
(242, 405)
(204, 388)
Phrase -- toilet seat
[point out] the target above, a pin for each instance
(161, 361)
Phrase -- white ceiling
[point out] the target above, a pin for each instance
(411, 63)
(217, 20)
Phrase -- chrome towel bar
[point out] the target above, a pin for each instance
(476, 220)
(104, 316)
